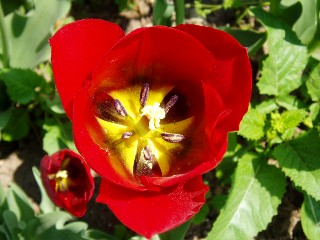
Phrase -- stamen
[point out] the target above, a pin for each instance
(127, 135)
(120, 108)
(171, 102)
(144, 94)
(172, 137)
(147, 153)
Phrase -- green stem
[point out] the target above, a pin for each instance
(180, 11)
(4, 39)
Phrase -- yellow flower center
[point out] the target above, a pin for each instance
(61, 178)
(135, 136)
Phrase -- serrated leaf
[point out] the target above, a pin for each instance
(310, 217)
(300, 161)
(256, 193)
(28, 34)
(17, 127)
(282, 69)
(252, 125)
(21, 84)
(291, 119)
(313, 83)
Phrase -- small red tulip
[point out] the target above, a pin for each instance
(151, 112)
(67, 180)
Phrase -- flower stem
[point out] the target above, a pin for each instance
(180, 11)
(4, 39)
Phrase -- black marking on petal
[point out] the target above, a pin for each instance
(171, 102)
(144, 94)
(172, 137)
(120, 108)
(127, 135)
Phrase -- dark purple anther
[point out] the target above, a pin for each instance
(144, 94)
(171, 102)
(147, 153)
(120, 108)
(172, 137)
(127, 135)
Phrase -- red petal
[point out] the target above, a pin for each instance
(76, 49)
(232, 71)
(149, 213)
(75, 199)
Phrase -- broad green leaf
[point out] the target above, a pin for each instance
(310, 217)
(252, 125)
(17, 127)
(162, 13)
(306, 26)
(252, 202)
(18, 202)
(98, 235)
(300, 161)
(4, 118)
(177, 233)
(201, 216)
(46, 205)
(289, 102)
(282, 69)
(28, 34)
(58, 136)
(267, 106)
(313, 83)
(11, 223)
(21, 84)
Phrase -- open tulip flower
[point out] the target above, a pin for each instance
(151, 112)
(67, 180)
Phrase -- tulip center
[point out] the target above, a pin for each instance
(137, 131)
(61, 179)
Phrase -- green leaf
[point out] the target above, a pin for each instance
(58, 136)
(28, 34)
(252, 202)
(248, 38)
(11, 224)
(17, 127)
(46, 205)
(313, 83)
(176, 234)
(289, 119)
(306, 26)
(162, 13)
(310, 217)
(201, 216)
(4, 118)
(282, 69)
(267, 106)
(21, 84)
(252, 125)
(300, 161)
(18, 202)
(289, 102)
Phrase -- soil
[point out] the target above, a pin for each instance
(18, 158)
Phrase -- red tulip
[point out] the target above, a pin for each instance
(151, 112)
(67, 180)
